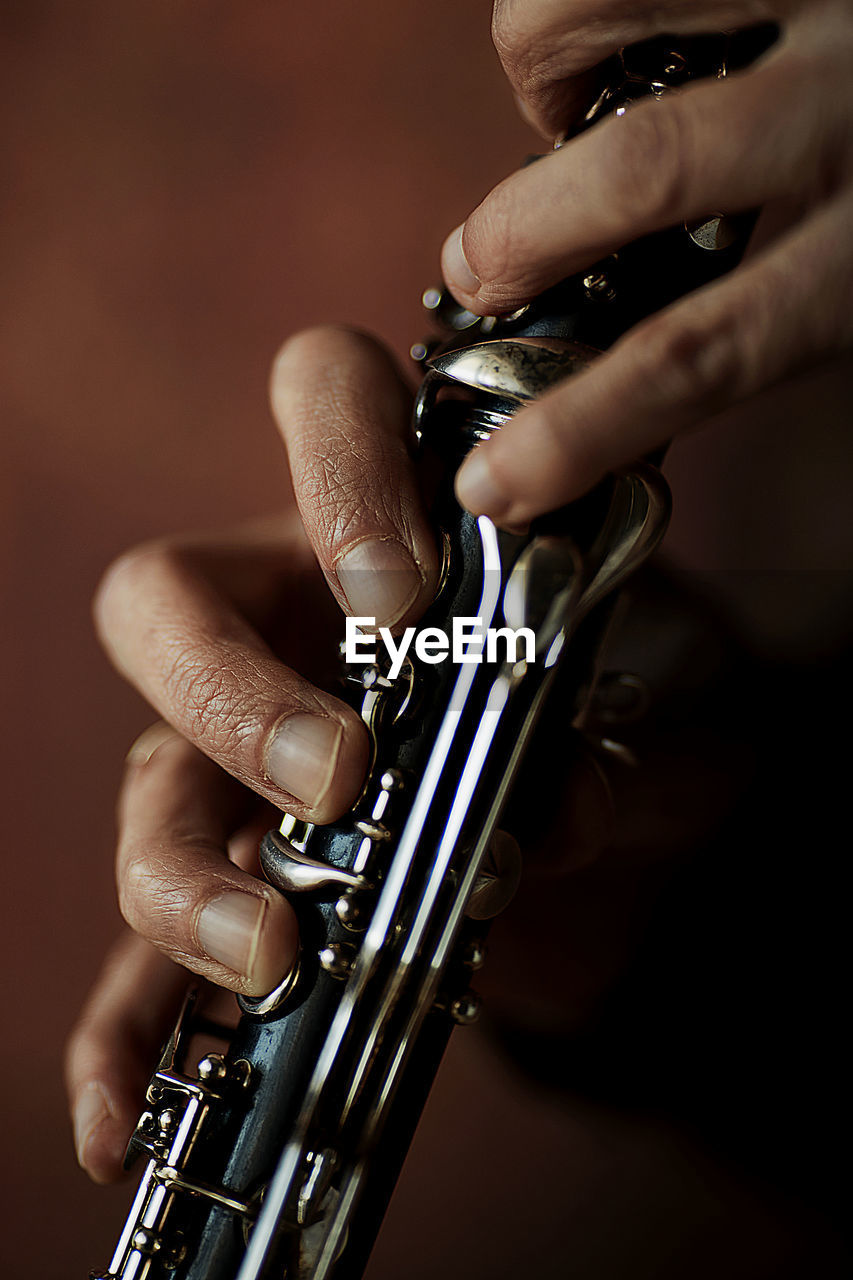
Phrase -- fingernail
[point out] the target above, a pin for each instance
(150, 741)
(476, 489)
(90, 1111)
(456, 269)
(379, 579)
(229, 928)
(302, 755)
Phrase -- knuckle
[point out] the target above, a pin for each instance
(154, 899)
(202, 692)
(650, 158)
(534, 51)
(690, 361)
(334, 497)
(570, 448)
(572, 452)
(341, 480)
(136, 886)
(508, 33)
(342, 436)
(495, 242)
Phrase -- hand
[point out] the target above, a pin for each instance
(184, 621)
(191, 623)
(779, 136)
(196, 625)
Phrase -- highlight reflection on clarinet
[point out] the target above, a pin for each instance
(278, 1155)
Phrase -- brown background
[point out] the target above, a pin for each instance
(183, 185)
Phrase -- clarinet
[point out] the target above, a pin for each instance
(276, 1157)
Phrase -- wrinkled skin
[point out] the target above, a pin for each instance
(198, 627)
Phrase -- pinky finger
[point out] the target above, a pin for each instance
(784, 309)
(109, 1054)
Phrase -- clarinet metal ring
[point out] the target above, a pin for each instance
(260, 1006)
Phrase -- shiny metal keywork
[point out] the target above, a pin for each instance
(277, 1158)
(545, 583)
(166, 1135)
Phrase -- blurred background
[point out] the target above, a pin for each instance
(184, 184)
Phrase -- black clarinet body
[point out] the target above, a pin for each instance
(277, 1157)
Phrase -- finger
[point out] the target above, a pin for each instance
(211, 676)
(344, 413)
(786, 308)
(659, 164)
(107, 1060)
(176, 885)
(545, 46)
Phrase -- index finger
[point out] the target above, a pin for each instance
(657, 165)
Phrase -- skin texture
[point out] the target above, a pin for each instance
(188, 624)
(196, 625)
(779, 136)
(193, 625)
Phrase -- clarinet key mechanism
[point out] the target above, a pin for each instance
(275, 1159)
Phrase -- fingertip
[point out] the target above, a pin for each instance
(277, 948)
(350, 769)
(551, 453)
(100, 1137)
(350, 772)
(320, 760)
(254, 936)
(380, 578)
(477, 488)
(299, 350)
(104, 1156)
